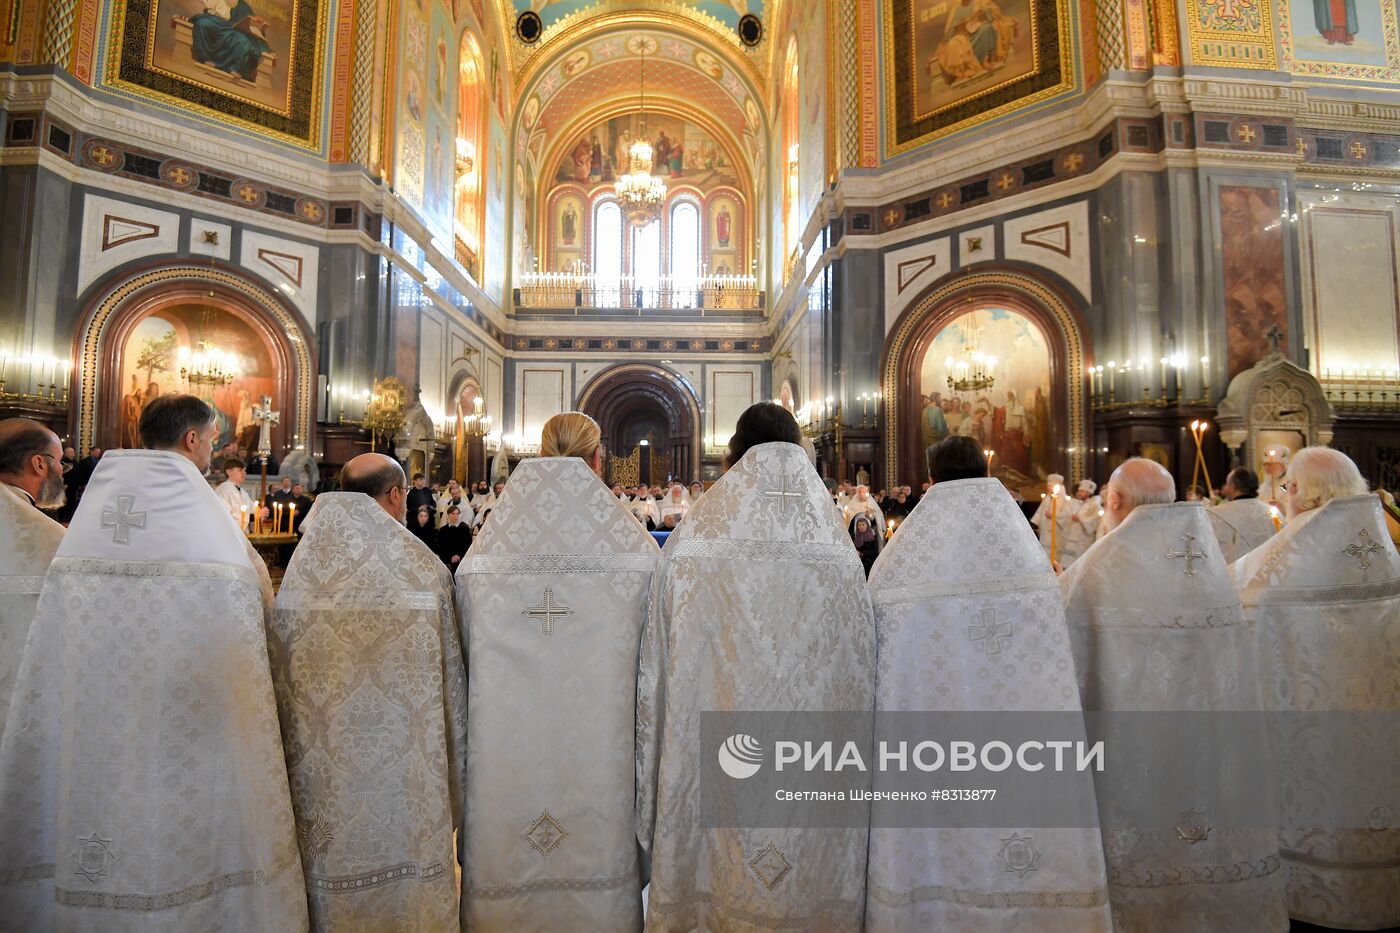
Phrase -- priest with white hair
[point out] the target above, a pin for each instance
(863, 504)
(31, 478)
(1243, 521)
(1014, 655)
(1325, 596)
(1156, 626)
(550, 603)
(760, 603)
(372, 695)
(673, 508)
(142, 783)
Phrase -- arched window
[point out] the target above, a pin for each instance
(646, 261)
(607, 245)
(685, 252)
(470, 156)
(790, 154)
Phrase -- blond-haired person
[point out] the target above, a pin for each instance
(1324, 594)
(550, 603)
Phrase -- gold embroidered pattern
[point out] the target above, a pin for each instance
(545, 833)
(771, 866)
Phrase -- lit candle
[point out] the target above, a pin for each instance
(277, 518)
(291, 517)
(243, 521)
(1054, 510)
(1274, 514)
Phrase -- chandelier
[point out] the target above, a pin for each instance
(972, 373)
(640, 193)
(208, 365)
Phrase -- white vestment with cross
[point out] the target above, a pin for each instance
(1156, 625)
(550, 602)
(1324, 593)
(969, 619)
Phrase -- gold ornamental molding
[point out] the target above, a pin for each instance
(955, 287)
(120, 295)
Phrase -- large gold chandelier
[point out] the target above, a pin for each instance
(640, 193)
(972, 373)
(208, 365)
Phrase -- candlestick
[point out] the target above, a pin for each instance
(1196, 464)
(291, 518)
(243, 519)
(1210, 487)
(1054, 511)
(1164, 381)
(990, 455)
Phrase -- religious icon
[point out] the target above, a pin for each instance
(568, 226)
(708, 64)
(225, 40)
(723, 226)
(531, 112)
(574, 63)
(413, 96)
(440, 75)
(1336, 20)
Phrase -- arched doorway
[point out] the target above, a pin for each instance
(150, 327)
(635, 403)
(1032, 416)
(468, 448)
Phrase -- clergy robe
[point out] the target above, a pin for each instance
(235, 500)
(33, 538)
(760, 604)
(856, 506)
(1325, 595)
(1241, 525)
(1083, 526)
(1156, 626)
(372, 695)
(966, 554)
(645, 511)
(1068, 547)
(142, 783)
(550, 605)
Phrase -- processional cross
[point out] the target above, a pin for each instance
(265, 418)
(546, 611)
(782, 493)
(1190, 553)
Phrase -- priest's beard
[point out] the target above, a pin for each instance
(52, 494)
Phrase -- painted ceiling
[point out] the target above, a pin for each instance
(552, 11)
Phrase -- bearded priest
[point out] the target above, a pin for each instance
(372, 695)
(1157, 627)
(990, 568)
(760, 604)
(1243, 521)
(144, 787)
(1325, 596)
(550, 603)
(31, 478)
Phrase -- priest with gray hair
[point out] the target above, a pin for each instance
(372, 695)
(1157, 627)
(142, 785)
(1324, 594)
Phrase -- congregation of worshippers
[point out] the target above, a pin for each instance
(479, 707)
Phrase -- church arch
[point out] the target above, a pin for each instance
(620, 393)
(943, 303)
(121, 304)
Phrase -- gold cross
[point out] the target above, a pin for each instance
(546, 611)
(248, 193)
(944, 200)
(1301, 145)
(1073, 161)
(180, 175)
(1005, 181)
(102, 155)
(891, 217)
(1189, 553)
(1245, 133)
(312, 210)
(1358, 150)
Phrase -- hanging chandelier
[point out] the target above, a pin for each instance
(640, 193)
(972, 373)
(208, 365)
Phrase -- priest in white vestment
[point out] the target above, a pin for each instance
(1243, 521)
(237, 502)
(1156, 626)
(31, 477)
(1085, 517)
(760, 604)
(372, 694)
(644, 509)
(966, 553)
(673, 508)
(550, 603)
(1325, 595)
(1056, 509)
(142, 782)
(863, 504)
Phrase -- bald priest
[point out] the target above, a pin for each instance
(372, 692)
(31, 478)
(142, 785)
